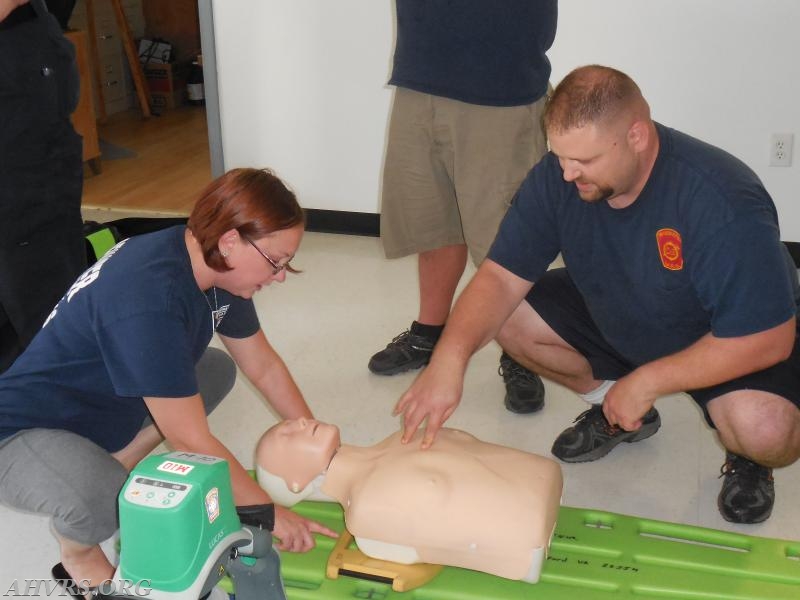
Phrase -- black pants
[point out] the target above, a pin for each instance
(42, 250)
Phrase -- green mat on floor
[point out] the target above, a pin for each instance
(594, 555)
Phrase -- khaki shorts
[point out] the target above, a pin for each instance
(452, 169)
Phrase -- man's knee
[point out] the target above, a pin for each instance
(216, 374)
(761, 425)
(524, 330)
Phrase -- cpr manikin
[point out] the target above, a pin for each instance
(462, 502)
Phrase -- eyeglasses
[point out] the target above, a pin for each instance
(276, 268)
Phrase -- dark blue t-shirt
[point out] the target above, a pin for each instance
(133, 325)
(486, 52)
(699, 251)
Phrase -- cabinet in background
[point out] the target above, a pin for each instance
(115, 77)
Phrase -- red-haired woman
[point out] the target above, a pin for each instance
(123, 362)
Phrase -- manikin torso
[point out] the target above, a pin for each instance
(462, 502)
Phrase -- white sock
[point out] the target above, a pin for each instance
(598, 394)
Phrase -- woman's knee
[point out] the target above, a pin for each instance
(89, 520)
(216, 374)
(65, 476)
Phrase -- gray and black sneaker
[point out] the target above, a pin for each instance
(592, 436)
(748, 491)
(407, 351)
(524, 389)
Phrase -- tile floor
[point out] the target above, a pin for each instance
(346, 305)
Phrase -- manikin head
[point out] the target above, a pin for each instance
(291, 455)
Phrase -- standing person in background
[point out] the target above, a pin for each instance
(465, 128)
(42, 249)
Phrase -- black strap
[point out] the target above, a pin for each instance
(257, 515)
(40, 7)
(794, 251)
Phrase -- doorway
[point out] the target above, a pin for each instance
(160, 164)
(155, 165)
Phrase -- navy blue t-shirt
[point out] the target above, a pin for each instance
(699, 250)
(133, 325)
(486, 52)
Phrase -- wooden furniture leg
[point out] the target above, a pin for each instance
(100, 109)
(133, 58)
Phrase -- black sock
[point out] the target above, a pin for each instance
(432, 332)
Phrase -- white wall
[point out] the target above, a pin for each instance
(302, 90)
(303, 83)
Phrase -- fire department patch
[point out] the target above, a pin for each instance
(669, 249)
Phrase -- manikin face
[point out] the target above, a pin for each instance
(599, 161)
(254, 261)
(298, 450)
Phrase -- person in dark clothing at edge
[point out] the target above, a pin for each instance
(676, 280)
(42, 248)
(471, 79)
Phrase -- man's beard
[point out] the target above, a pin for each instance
(597, 195)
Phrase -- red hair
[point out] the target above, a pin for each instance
(255, 202)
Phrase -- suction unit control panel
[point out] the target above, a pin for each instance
(156, 493)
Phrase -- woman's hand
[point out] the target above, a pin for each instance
(294, 532)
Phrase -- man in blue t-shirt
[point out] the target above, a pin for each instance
(675, 280)
(471, 80)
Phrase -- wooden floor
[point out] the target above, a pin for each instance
(171, 165)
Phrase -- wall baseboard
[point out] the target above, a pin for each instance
(342, 221)
(794, 250)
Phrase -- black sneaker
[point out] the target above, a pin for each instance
(748, 491)
(66, 581)
(524, 389)
(592, 437)
(405, 352)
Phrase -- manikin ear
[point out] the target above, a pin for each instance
(227, 241)
(280, 493)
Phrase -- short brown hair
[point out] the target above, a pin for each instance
(590, 95)
(255, 202)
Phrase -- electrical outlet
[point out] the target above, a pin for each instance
(780, 150)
